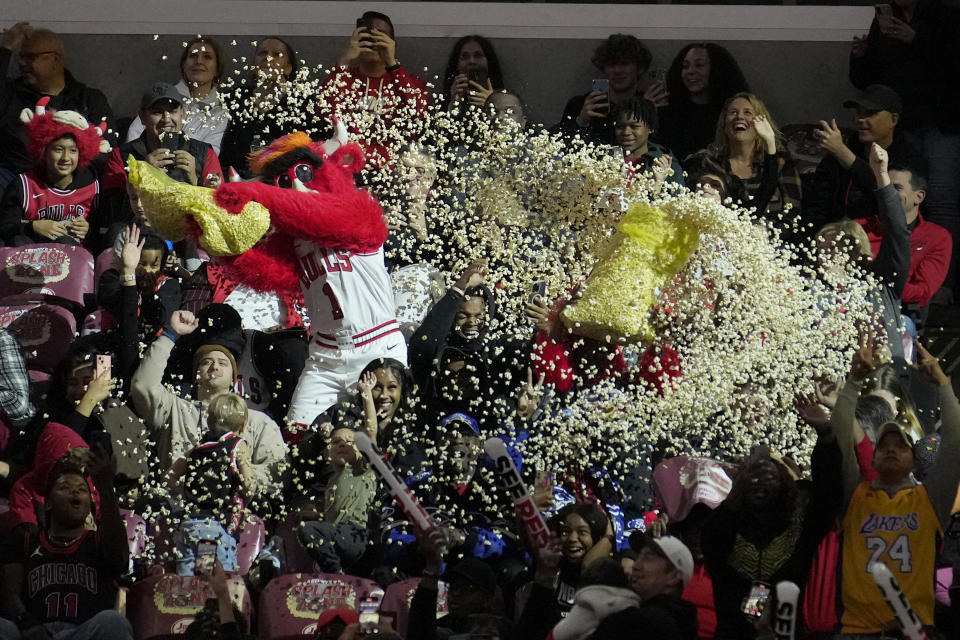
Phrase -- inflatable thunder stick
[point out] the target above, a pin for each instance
(909, 623)
(400, 491)
(527, 511)
(785, 620)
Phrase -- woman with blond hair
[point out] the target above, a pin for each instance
(751, 150)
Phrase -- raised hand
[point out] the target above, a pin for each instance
(480, 93)
(878, 158)
(661, 168)
(473, 275)
(132, 248)
(657, 94)
(897, 29)
(183, 322)
(384, 45)
(831, 141)
(359, 43)
(461, 83)
(596, 105)
(15, 36)
(765, 130)
(161, 158)
(433, 546)
(538, 311)
(929, 367)
(185, 161)
(811, 412)
(529, 396)
(366, 384)
(858, 48)
(98, 389)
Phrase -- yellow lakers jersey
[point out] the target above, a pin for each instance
(901, 532)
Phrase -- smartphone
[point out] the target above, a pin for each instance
(479, 76)
(601, 85)
(756, 601)
(103, 366)
(206, 557)
(885, 10)
(369, 611)
(170, 140)
(658, 76)
(365, 24)
(538, 292)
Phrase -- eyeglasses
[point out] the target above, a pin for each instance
(30, 57)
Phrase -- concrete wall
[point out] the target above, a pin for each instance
(794, 57)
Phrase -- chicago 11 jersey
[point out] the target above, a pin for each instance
(345, 292)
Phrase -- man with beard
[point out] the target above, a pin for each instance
(178, 423)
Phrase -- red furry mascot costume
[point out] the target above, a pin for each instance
(325, 239)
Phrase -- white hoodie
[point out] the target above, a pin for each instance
(590, 606)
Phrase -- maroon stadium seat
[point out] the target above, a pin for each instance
(398, 597)
(290, 605)
(47, 270)
(45, 332)
(162, 605)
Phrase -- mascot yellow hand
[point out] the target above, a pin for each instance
(168, 203)
(646, 253)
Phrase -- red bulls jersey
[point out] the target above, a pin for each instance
(41, 202)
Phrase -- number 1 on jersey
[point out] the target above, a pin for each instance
(334, 303)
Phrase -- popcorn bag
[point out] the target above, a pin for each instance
(168, 204)
(647, 251)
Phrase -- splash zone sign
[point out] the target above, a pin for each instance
(38, 265)
(309, 598)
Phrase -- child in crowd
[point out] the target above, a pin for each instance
(636, 121)
(143, 264)
(381, 411)
(339, 539)
(52, 201)
(215, 476)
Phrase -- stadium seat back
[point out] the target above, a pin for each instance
(296, 557)
(399, 596)
(250, 541)
(290, 604)
(46, 269)
(44, 331)
(163, 605)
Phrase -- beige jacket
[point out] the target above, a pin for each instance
(176, 423)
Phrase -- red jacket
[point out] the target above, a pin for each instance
(930, 249)
(397, 97)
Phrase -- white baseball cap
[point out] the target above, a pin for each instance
(677, 553)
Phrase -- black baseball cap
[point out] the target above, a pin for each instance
(876, 97)
(161, 91)
(475, 571)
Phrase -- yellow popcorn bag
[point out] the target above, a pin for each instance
(168, 203)
(647, 252)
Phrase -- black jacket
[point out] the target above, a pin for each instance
(924, 72)
(739, 547)
(598, 131)
(835, 193)
(662, 617)
(497, 362)
(15, 96)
